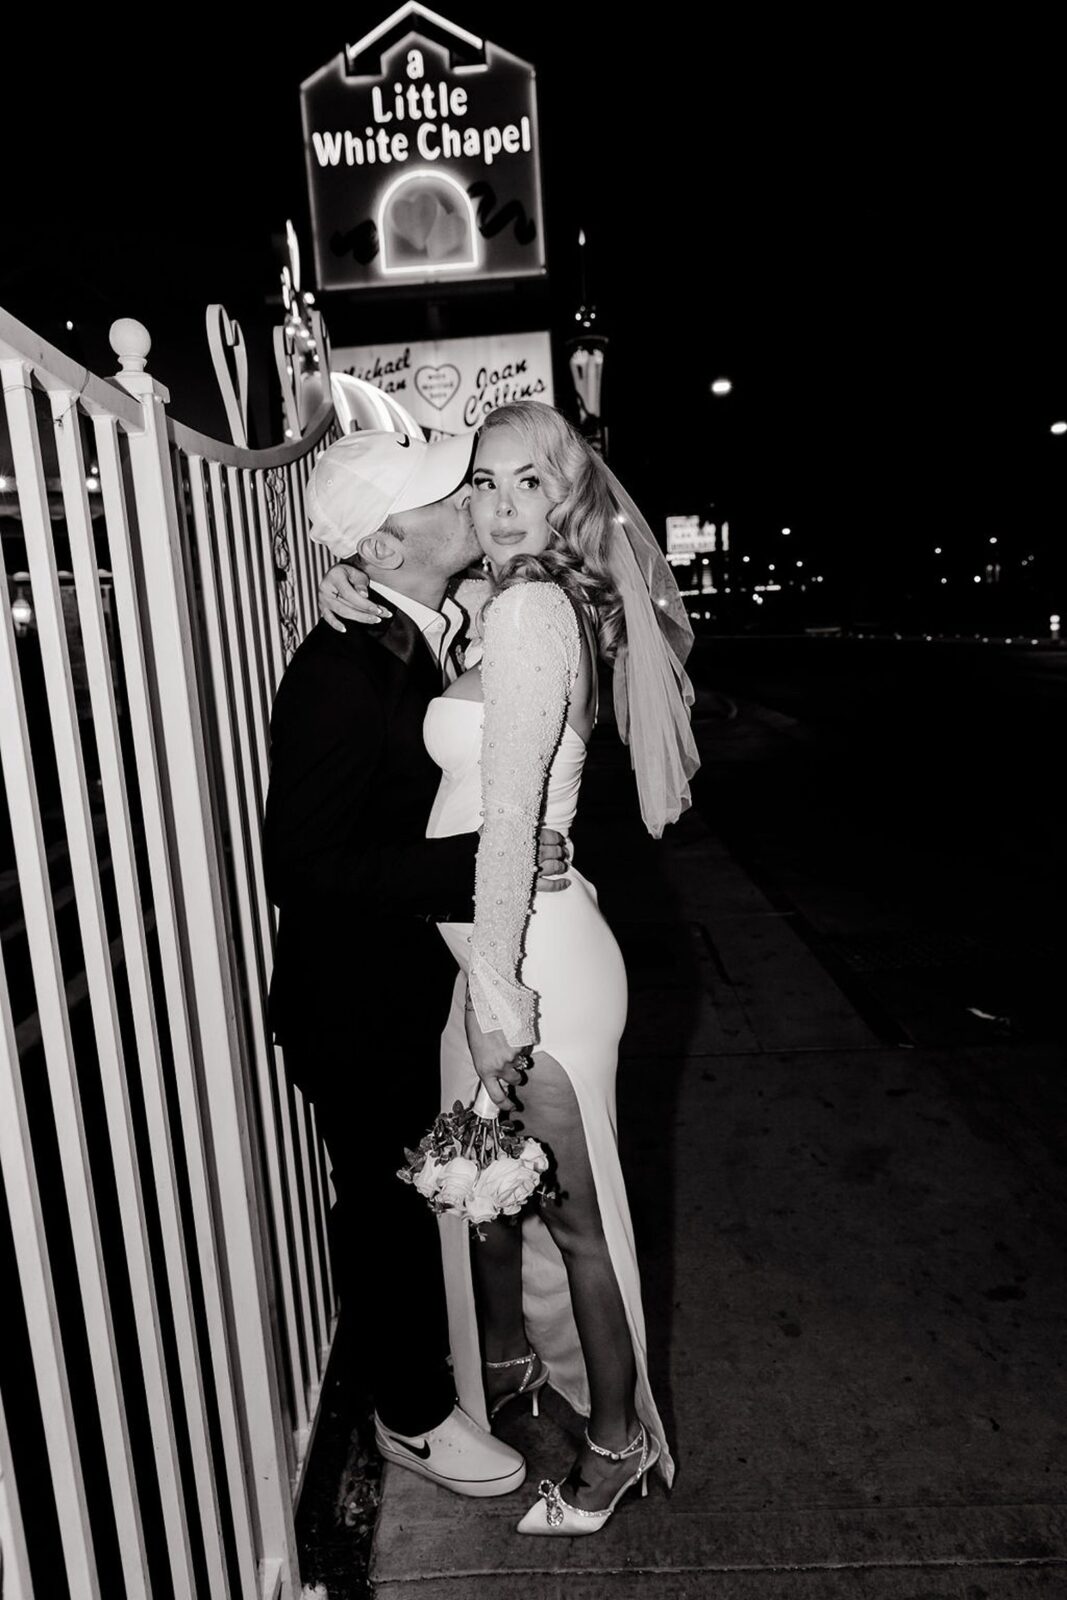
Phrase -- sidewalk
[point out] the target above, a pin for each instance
(853, 1273)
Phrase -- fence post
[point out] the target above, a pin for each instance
(15, 1582)
(214, 1002)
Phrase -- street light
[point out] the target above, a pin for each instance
(721, 386)
(586, 362)
(1058, 427)
(21, 606)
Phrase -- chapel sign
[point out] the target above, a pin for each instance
(451, 385)
(422, 159)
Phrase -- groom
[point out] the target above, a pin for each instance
(359, 888)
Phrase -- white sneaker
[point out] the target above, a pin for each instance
(457, 1454)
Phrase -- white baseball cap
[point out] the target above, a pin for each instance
(368, 475)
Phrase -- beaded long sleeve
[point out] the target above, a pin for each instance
(532, 652)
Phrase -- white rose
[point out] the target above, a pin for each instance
(481, 1205)
(509, 1183)
(457, 1179)
(428, 1180)
(533, 1156)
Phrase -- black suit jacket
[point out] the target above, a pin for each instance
(358, 885)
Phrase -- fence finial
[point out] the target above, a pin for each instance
(131, 342)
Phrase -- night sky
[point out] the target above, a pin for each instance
(861, 226)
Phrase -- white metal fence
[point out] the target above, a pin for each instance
(167, 1301)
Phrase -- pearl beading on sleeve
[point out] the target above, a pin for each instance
(532, 654)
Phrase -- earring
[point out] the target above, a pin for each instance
(485, 563)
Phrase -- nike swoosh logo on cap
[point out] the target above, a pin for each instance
(402, 440)
(422, 1451)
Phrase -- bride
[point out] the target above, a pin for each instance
(540, 999)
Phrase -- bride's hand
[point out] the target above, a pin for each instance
(498, 1064)
(344, 592)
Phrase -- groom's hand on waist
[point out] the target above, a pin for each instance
(551, 862)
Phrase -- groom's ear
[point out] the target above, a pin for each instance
(381, 549)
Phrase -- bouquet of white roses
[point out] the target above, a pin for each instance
(474, 1165)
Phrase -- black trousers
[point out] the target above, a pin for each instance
(370, 1102)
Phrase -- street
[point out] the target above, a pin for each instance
(902, 801)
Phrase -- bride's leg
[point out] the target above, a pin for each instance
(550, 1113)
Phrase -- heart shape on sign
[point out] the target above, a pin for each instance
(437, 385)
(413, 218)
(446, 237)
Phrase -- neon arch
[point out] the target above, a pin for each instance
(461, 207)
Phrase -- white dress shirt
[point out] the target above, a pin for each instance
(438, 628)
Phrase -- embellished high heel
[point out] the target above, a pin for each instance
(551, 1514)
(529, 1384)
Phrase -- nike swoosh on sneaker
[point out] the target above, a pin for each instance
(421, 1450)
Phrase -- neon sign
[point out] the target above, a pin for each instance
(451, 385)
(422, 158)
(689, 536)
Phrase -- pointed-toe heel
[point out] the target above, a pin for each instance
(551, 1515)
(532, 1380)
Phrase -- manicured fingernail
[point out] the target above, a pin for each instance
(384, 614)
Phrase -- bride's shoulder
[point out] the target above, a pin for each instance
(533, 623)
(532, 604)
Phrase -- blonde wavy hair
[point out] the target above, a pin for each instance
(582, 517)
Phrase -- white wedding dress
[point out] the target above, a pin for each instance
(551, 975)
